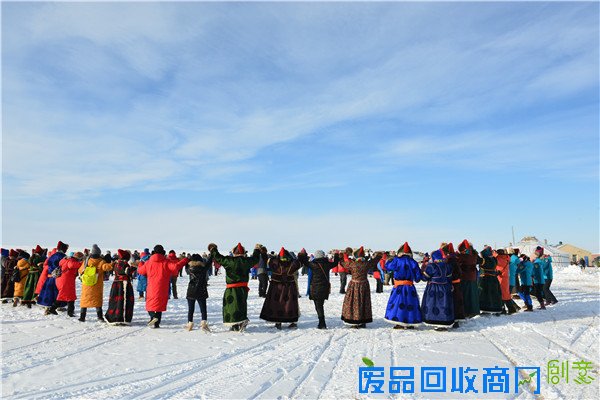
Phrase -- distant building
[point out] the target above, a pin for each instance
(574, 252)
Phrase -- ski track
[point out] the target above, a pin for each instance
(78, 351)
(170, 384)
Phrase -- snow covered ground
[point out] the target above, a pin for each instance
(57, 357)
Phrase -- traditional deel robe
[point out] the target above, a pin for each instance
(237, 274)
(36, 263)
(281, 302)
(357, 301)
(23, 267)
(8, 286)
(467, 262)
(457, 294)
(49, 291)
(438, 304)
(503, 268)
(403, 305)
(490, 295)
(121, 299)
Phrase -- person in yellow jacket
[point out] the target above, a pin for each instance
(92, 296)
(23, 267)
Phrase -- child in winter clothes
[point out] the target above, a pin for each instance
(525, 270)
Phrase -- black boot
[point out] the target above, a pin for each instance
(71, 308)
(322, 324)
(293, 325)
(99, 313)
(278, 325)
(82, 314)
(529, 308)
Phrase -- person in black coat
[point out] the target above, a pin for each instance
(197, 290)
(319, 284)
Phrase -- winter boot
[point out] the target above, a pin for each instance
(51, 310)
(322, 324)
(16, 302)
(243, 326)
(529, 307)
(398, 327)
(456, 324)
(28, 305)
(71, 309)
(278, 325)
(293, 325)
(99, 314)
(204, 326)
(82, 314)
(189, 326)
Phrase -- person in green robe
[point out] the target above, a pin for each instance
(490, 294)
(36, 263)
(237, 269)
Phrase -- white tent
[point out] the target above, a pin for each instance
(528, 244)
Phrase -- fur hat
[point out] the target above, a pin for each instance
(124, 254)
(62, 247)
(319, 254)
(404, 249)
(348, 251)
(158, 249)
(78, 256)
(239, 250)
(360, 252)
(96, 252)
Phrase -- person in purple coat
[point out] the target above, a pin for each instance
(438, 304)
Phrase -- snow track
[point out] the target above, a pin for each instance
(54, 357)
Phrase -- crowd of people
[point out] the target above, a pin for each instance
(459, 284)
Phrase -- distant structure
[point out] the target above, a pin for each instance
(574, 252)
(528, 244)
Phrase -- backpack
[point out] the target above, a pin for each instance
(89, 277)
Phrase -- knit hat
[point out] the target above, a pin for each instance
(404, 249)
(239, 250)
(158, 249)
(95, 251)
(360, 252)
(62, 247)
(124, 254)
(319, 254)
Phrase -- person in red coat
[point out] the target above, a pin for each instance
(159, 271)
(44, 274)
(65, 283)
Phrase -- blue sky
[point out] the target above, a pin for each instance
(318, 125)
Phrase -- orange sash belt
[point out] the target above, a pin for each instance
(238, 284)
(400, 283)
(456, 281)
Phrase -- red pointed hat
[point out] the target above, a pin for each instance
(38, 249)
(405, 249)
(451, 248)
(239, 249)
(360, 252)
(464, 245)
(62, 246)
(13, 253)
(282, 252)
